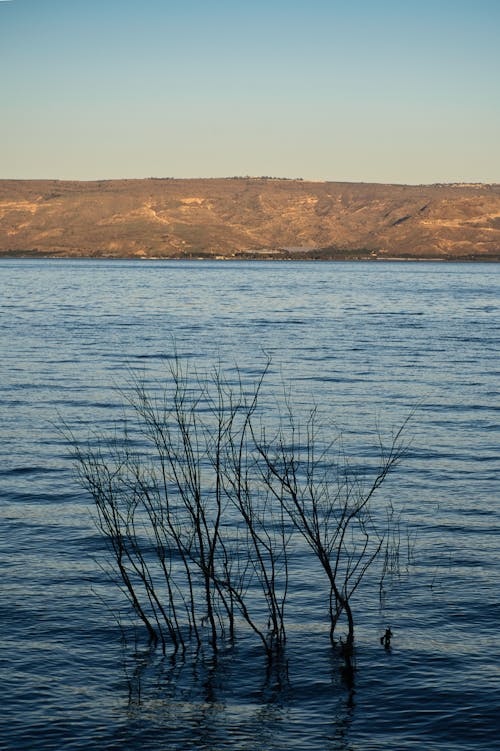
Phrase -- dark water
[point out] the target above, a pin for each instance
(366, 342)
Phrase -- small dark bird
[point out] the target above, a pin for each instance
(385, 640)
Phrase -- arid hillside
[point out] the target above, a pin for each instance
(248, 217)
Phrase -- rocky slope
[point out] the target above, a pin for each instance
(248, 217)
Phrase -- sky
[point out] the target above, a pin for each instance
(389, 91)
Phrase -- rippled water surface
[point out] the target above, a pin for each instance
(366, 343)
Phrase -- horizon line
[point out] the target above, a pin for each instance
(451, 183)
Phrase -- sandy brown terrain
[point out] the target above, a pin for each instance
(248, 218)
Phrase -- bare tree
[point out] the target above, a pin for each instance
(330, 505)
(199, 508)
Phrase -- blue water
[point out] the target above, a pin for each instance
(366, 343)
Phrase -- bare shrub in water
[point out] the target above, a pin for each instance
(200, 504)
(329, 506)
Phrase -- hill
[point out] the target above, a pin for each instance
(248, 218)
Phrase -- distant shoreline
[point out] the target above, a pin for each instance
(27, 256)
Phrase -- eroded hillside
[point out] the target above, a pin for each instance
(248, 217)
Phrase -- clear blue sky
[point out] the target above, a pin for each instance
(391, 91)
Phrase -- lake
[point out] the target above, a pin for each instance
(366, 344)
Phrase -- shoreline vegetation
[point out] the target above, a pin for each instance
(30, 255)
(272, 255)
(248, 218)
